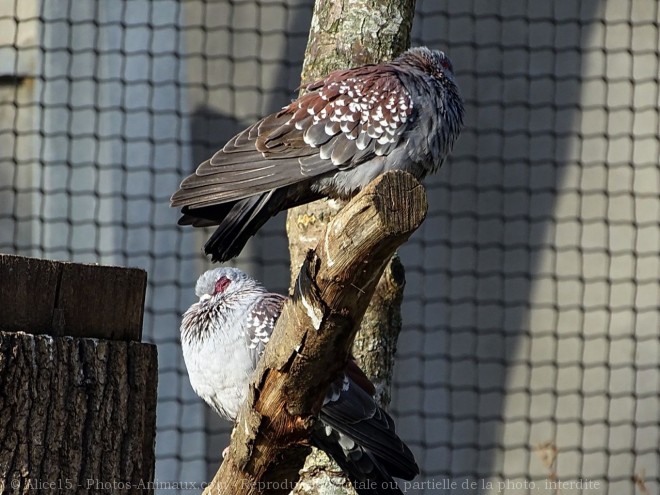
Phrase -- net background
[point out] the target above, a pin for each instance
(531, 311)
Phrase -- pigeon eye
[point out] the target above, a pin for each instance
(221, 285)
(446, 64)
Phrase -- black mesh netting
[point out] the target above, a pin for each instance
(530, 348)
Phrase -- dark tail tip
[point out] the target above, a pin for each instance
(221, 248)
(242, 221)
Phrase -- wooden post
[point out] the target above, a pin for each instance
(78, 401)
(314, 334)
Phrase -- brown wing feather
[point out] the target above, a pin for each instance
(344, 120)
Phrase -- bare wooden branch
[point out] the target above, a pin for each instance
(313, 336)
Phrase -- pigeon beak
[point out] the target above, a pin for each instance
(205, 297)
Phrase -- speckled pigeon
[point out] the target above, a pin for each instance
(345, 130)
(224, 335)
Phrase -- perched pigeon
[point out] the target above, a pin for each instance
(224, 335)
(346, 130)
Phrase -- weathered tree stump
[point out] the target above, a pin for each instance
(77, 388)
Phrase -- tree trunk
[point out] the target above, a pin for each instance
(346, 34)
(77, 414)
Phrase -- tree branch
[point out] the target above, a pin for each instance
(314, 334)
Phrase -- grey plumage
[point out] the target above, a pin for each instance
(224, 334)
(347, 129)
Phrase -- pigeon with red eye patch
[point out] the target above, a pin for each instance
(224, 335)
(346, 130)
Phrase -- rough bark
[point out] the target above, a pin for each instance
(314, 334)
(341, 36)
(347, 33)
(77, 414)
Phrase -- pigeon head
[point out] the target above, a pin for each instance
(433, 62)
(223, 294)
(224, 282)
